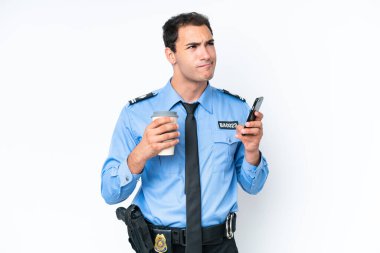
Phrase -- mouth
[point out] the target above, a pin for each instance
(206, 65)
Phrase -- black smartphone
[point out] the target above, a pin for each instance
(255, 107)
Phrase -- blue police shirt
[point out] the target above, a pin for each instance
(161, 196)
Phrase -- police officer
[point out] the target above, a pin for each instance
(228, 147)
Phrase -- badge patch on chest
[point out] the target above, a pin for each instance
(227, 124)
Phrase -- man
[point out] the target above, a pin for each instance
(222, 152)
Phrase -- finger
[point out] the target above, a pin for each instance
(159, 122)
(239, 128)
(256, 124)
(259, 116)
(251, 131)
(167, 144)
(170, 143)
(242, 137)
(166, 136)
(239, 134)
(165, 128)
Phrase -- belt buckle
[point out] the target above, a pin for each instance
(179, 237)
(229, 231)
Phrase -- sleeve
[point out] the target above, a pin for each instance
(117, 181)
(251, 178)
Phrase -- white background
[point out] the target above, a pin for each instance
(68, 67)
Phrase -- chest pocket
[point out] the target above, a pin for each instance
(223, 151)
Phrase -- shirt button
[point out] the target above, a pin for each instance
(127, 178)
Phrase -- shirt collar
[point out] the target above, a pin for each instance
(170, 97)
(206, 98)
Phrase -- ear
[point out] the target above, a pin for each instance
(170, 55)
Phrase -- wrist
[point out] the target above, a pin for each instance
(253, 157)
(135, 162)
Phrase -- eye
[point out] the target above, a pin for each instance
(191, 46)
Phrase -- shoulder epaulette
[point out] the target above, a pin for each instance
(141, 98)
(228, 93)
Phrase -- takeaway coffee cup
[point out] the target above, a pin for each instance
(174, 116)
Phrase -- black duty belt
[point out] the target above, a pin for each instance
(210, 235)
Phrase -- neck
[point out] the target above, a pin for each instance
(189, 91)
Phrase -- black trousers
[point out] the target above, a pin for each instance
(226, 246)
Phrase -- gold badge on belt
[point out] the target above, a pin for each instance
(160, 243)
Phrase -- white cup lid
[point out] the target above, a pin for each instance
(165, 114)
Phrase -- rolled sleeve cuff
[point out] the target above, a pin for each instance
(252, 170)
(125, 174)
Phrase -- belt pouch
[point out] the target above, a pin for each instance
(138, 230)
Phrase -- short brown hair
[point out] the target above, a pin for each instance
(170, 28)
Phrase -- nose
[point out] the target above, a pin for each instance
(204, 53)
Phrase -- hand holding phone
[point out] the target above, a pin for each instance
(255, 107)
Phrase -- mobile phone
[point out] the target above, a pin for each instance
(255, 107)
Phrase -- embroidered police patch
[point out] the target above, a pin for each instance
(228, 124)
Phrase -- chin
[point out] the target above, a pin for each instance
(206, 77)
(209, 77)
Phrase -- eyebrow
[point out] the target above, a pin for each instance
(198, 43)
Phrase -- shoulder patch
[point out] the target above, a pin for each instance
(141, 98)
(229, 93)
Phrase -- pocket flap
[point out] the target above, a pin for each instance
(225, 137)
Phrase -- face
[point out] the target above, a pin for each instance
(195, 57)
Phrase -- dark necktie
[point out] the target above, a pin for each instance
(192, 183)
